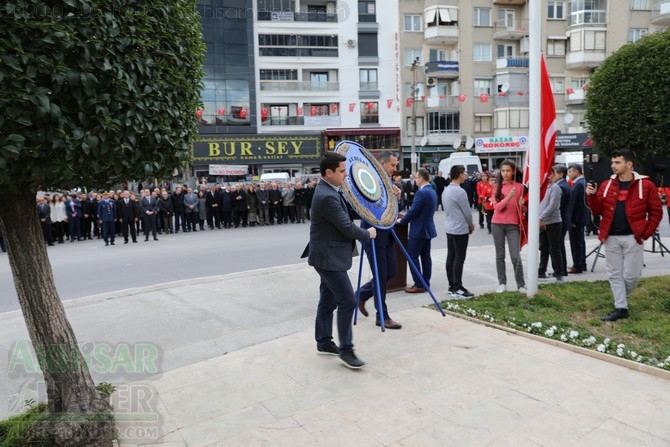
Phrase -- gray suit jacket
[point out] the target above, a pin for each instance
(332, 232)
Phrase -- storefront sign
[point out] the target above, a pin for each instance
(501, 144)
(573, 141)
(228, 169)
(256, 149)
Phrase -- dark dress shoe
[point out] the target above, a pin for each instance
(390, 324)
(617, 314)
(415, 289)
(574, 270)
(542, 276)
(361, 308)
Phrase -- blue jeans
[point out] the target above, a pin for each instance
(419, 249)
(336, 292)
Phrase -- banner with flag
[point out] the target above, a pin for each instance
(547, 131)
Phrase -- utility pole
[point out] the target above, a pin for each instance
(414, 91)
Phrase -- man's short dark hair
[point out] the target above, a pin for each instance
(627, 155)
(561, 169)
(331, 161)
(456, 170)
(385, 156)
(424, 174)
(576, 167)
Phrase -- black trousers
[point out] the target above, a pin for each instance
(457, 247)
(550, 246)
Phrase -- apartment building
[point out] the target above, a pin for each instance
(473, 93)
(286, 80)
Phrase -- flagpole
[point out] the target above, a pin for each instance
(534, 137)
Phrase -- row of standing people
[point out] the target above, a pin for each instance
(77, 217)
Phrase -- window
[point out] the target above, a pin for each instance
(483, 124)
(409, 128)
(512, 119)
(368, 79)
(588, 11)
(578, 83)
(370, 112)
(639, 5)
(556, 47)
(505, 50)
(412, 23)
(506, 18)
(412, 54)
(438, 55)
(367, 11)
(556, 10)
(367, 45)
(594, 40)
(321, 109)
(482, 87)
(482, 52)
(276, 5)
(319, 80)
(557, 84)
(635, 34)
(420, 92)
(279, 75)
(443, 122)
(482, 17)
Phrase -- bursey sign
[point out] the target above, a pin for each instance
(257, 149)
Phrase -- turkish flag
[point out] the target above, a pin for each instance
(352, 106)
(264, 112)
(222, 112)
(409, 102)
(299, 111)
(199, 113)
(547, 131)
(483, 97)
(312, 111)
(389, 103)
(333, 109)
(569, 91)
(461, 98)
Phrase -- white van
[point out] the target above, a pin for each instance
(569, 158)
(278, 177)
(471, 162)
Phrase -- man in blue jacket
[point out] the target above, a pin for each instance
(422, 230)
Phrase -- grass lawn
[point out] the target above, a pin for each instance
(571, 312)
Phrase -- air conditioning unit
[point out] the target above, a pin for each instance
(431, 82)
(524, 45)
(351, 43)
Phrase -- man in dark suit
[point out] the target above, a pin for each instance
(148, 209)
(125, 209)
(332, 237)
(178, 207)
(411, 187)
(440, 184)
(386, 261)
(579, 216)
(107, 214)
(44, 213)
(421, 231)
(212, 202)
(74, 214)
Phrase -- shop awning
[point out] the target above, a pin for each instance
(343, 131)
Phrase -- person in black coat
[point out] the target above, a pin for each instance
(227, 207)
(126, 213)
(179, 210)
(212, 204)
(275, 204)
(239, 206)
(44, 213)
(579, 217)
(166, 211)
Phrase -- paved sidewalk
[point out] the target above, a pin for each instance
(440, 381)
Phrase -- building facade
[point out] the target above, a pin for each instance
(286, 80)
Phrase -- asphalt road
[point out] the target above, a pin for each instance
(89, 268)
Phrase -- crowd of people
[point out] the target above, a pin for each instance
(75, 217)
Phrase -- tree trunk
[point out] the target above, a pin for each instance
(83, 416)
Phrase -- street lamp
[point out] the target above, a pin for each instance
(414, 91)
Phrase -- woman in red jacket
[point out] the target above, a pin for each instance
(631, 211)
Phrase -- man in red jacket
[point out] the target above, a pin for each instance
(631, 211)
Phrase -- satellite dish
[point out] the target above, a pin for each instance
(424, 141)
(457, 143)
(469, 143)
(504, 88)
(568, 118)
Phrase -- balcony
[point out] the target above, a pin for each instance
(300, 86)
(441, 34)
(519, 97)
(660, 13)
(290, 16)
(575, 96)
(441, 25)
(442, 69)
(441, 102)
(509, 2)
(284, 121)
(510, 29)
(585, 59)
(512, 62)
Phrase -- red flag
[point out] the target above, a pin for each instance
(333, 109)
(352, 106)
(569, 91)
(461, 98)
(547, 131)
(312, 111)
(409, 102)
(299, 111)
(389, 103)
(483, 97)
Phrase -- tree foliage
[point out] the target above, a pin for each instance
(628, 96)
(94, 92)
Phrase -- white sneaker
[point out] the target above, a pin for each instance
(523, 290)
(501, 288)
